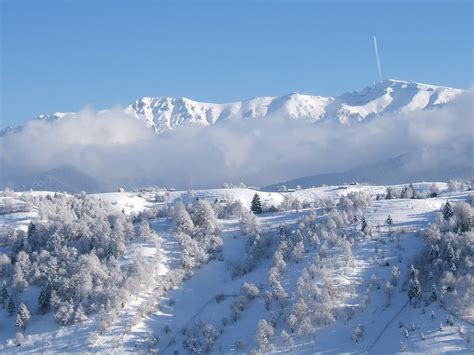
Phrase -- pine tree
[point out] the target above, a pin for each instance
(22, 316)
(389, 221)
(19, 321)
(256, 206)
(355, 220)
(3, 294)
(450, 251)
(434, 292)
(448, 212)
(44, 299)
(415, 294)
(453, 267)
(364, 226)
(413, 191)
(11, 308)
(389, 194)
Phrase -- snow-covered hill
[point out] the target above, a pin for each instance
(387, 96)
(365, 295)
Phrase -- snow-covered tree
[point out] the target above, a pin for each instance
(268, 299)
(22, 316)
(448, 212)
(415, 294)
(292, 322)
(263, 335)
(249, 224)
(182, 220)
(256, 205)
(298, 252)
(357, 332)
(249, 290)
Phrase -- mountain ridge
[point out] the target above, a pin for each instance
(387, 96)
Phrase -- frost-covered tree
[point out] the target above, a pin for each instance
(249, 224)
(182, 220)
(287, 339)
(279, 261)
(65, 313)
(263, 335)
(395, 275)
(357, 332)
(297, 253)
(249, 290)
(256, 205)
(22, 316)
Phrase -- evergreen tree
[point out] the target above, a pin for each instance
(448, 212)
(19, 321)
(450, 251)
(22, 316)
(415, 294)
(434, 292)
(44, 299)
(3, 294)
(11, 308)
(364, 226)
(31, 229)
(256, 205)
(389, 220)
(389, 194)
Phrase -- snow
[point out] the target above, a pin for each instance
(167, 113)
(195, 298)
(129, 202)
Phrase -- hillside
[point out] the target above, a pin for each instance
(309, 246)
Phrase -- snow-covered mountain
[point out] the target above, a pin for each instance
(388, 96)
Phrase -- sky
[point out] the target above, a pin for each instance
(66, 55)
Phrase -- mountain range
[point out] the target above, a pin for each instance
(163, 114)
(387, 96)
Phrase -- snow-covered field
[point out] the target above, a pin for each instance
(152, 321)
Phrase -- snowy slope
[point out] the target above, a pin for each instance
(388, 96)
(194, 300)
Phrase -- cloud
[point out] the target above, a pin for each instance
(117, 150)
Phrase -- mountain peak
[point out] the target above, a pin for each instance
(386, 96)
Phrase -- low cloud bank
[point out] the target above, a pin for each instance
(115, 150)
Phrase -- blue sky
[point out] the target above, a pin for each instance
(65, 55)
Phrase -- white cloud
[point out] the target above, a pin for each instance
(115, 149)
